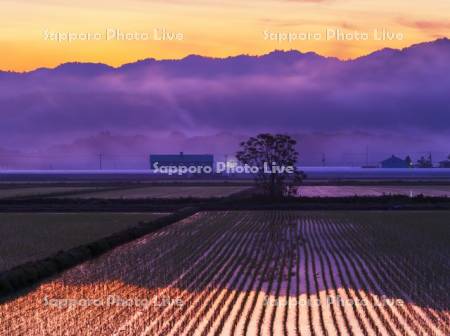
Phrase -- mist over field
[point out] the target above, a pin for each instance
(391, 101)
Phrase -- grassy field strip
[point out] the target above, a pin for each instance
(32, 236)
(41, 191)
(164, 192)
(252, 272)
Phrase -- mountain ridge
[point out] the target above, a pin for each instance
(293, 55)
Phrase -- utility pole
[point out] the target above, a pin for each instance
(100, 161)
(226, 164)
(367, 155)
(323, 160)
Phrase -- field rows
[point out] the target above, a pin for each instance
(256, 273)
(348, 191)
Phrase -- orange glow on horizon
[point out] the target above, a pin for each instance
(215, 29)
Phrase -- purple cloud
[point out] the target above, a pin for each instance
(387, 92)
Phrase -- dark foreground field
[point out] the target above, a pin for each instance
(31, 236)
(256, 273)
(122, 191)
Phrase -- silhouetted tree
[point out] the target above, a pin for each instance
(266, 150)
(425, 162)
(408, 161)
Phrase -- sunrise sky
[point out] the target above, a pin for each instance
(210, 28)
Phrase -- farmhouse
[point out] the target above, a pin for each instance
(444, 164)
(182, 160)
(395, 162)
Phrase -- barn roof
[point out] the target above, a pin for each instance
(182, 158)
(393, 159)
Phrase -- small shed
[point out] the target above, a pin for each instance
(395, 162)
(444, 164)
